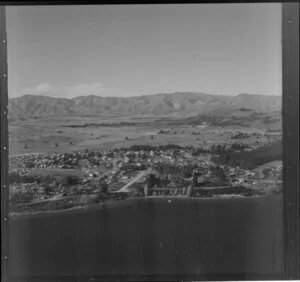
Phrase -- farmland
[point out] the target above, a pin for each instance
(75, 134)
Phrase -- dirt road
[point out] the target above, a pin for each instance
(135, 179)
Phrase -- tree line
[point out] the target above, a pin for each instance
(251, 159)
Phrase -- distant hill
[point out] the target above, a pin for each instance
(189, 103)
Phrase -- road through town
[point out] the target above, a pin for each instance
(135, 179)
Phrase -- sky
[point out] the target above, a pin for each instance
(130, 50)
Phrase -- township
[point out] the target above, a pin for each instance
(90, 177)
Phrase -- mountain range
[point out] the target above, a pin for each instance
(178, 103)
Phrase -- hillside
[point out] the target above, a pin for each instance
(191, 104)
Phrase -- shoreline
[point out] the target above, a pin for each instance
(115, 204)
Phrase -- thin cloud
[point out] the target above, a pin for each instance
(46, 89)
(86, 89)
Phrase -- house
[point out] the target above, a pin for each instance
(240, 180)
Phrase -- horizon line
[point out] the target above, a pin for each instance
(145, 95)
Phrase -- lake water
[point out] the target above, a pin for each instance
(183, 239)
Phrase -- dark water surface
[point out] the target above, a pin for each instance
(153, 237)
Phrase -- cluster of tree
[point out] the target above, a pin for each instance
(102, 187)
(167, 169)
(200, 150)
(91, 153)
(21, 197)
(240, 135)
(163, 131)
(108, 124)
(191, 192)
(254, 158)
(174, 192)
(75, 190)
(238, 147)
(221, 149)
(274, 130)
(29, 163)
(228, 191)
(166, 181)
(66, 180)
(69, 180)
(137, 187)
(133, 166)
(218, 172)
(272, 172)
(51, 183)
(196, 151)
(188, 148)
(15, 177)
(69, 158)
(245, 110)
(170, 192)
(149, 148)
(152, 180)
(217, 178)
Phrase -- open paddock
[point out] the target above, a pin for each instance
(58, 135)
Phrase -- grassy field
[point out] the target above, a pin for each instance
(58, 135)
